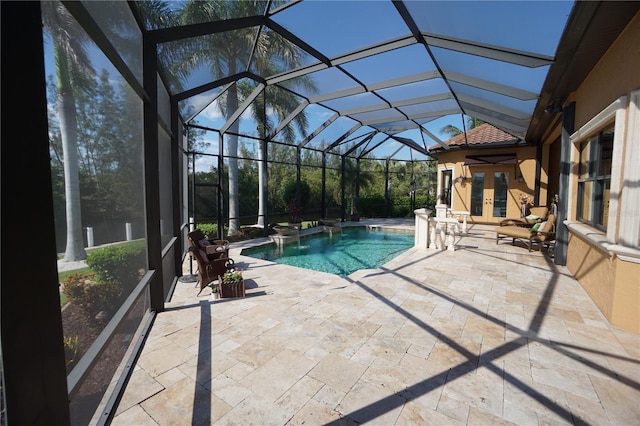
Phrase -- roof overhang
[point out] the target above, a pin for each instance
(490, 160)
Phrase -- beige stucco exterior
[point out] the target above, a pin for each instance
(612, 280)
(525, 168)
(612, 283)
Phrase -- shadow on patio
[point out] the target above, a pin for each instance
(486, 334)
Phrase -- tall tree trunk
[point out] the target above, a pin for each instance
(232, 146)
(262, 183)
(69, 134)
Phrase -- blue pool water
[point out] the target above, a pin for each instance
(341, 254)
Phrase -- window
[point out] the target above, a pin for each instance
(594, 178)
(447, 181)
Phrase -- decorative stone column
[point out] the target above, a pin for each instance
(421, 228)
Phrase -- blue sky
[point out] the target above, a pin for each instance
(338, 27)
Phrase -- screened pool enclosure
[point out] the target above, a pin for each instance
(133, 121)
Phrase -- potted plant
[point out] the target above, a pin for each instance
(231, 284)
(295, 212)
(215, 294)
(524, 205)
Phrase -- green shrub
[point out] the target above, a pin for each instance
(121, 264)
(93, 297)
(399, 206)
(209, 229)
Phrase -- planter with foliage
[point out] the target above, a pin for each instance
(231, 284)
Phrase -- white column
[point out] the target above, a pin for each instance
(451, 237)
(421, 239)
(89, 236)
(128, 231)
(432, 233)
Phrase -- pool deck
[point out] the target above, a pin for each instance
(486, 334)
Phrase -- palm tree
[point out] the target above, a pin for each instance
(451, 130)
(226, 54)
(73, 69)
(281, 103)
(355, 179)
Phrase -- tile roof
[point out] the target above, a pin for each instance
(483, 135)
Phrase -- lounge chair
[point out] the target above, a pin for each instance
(535, 214)
(541, 233)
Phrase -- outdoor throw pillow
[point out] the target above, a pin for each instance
(532, 217)
(542, 225)
(535, 228)
(203, 255)
(203, 242)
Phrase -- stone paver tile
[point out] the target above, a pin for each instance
(416, 334)
(415, 414)
(478, 417)
(338, 372)
(443, 357)
(329, 396)
(386, 375)
(421, 350)
(163, 359)
(253, 411)
(371, 404)
(630, 341)
(145, 386)
(207, 365)
(483, 329)
(485, 392)
(388, 348)
(258, 351)
(228, 390)
(299, 394)
(187, 336)
(526, 400)
(589, 411)
(277, 375)
(543, 354)
(157, 341)
(169, 378)
(239, 371)
(343, 345)
(621, 402)
(626, 368)
(316, 413)
(133, 416)
(572, 381)
(186, 402)
(450, 407)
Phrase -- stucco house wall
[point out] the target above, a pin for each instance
(608, 269)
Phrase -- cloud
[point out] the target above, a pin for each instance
(205, 163)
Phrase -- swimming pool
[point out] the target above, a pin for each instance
(341, 254)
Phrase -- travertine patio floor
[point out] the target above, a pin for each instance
(488, 334)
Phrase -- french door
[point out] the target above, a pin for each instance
(489, 190)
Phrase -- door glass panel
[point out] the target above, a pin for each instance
(477, 194)
(500, 189)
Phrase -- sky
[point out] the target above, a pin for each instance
(338, 27)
